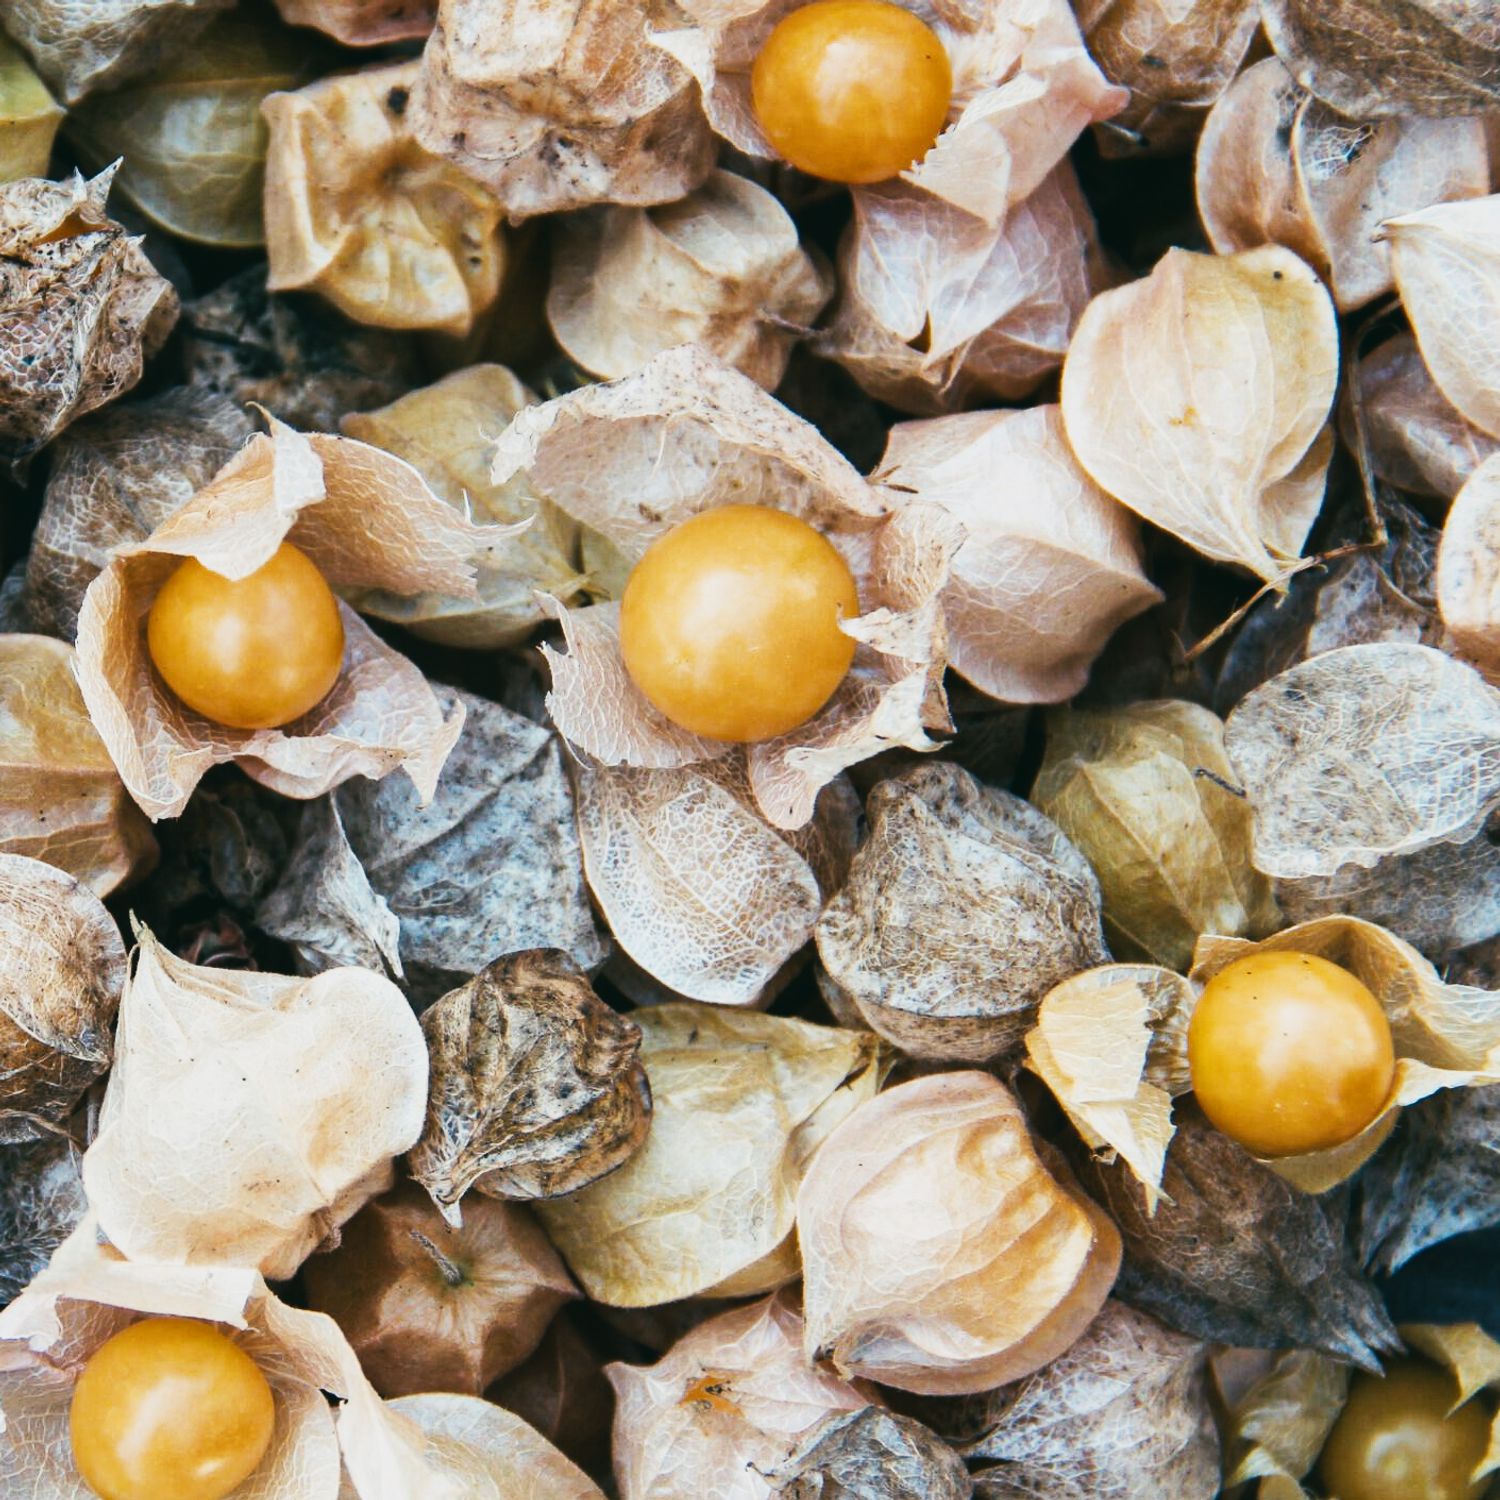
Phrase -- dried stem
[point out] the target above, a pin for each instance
(451, 1271)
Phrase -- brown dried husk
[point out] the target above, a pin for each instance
(557, 104)
(29, 117)
(65, 970)
(722, 1409)
(81, 308)
(940, 1254)
(363, 23)
(1235, 468)
(741, 1102)
(963, 907)
(1277, 166)
(873, 1454)
(61, 799)
(248, 1115)
(536, 1087)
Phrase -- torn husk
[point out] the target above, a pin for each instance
(29, 117)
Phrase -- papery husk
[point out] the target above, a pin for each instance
(1468, 579)
(1446, 261)
(1233, 468)
(1278, 1427)
(873, 1454)
(362, 23)
(940, 1254)
(65, 968)
(365, 518)
(81, 308)
(1362, 753)
(939, 309)
(722, 268)
(536, 1086)
(446, 431)
(61, 799)
(634, 458)
(29, 117)
(741, 1101)
(1024, 88)
(722, 1409)
(1122, 1415)
(41, 1201)
(1050, 565)
(963, 907)
(557, 104)
(248, 1115)
(1143, 792)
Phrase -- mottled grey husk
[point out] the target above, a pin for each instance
(872, 1454)
(41, 1199)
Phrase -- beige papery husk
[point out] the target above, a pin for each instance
(741, 1101)
(359, 212)
(558, 104)
(248, 1115)
(686, 434)
(722, 1409)
(1468, 569)
(440, 1447)
(362, 23)
(368, 520)
(1231, 461)
(722, 268)
(29, 116)
(940, 1253)
(1277, 166)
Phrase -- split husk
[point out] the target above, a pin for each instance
(741, 1102)
(29, 117)
(872, 1454)
(362, 23)
(940, 1254)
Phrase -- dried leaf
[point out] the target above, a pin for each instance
(872, 1454)
(429, 1306)
(81, 308)
(41, 1200)
(741, 1101)
(964, 906)
(61, 799)
(1233, 464)
(722, 1409)
(556, 104)
(362, 23)
(1122, 1415)
(29, 117)
(1144, 792)
(249, 1115)
(1278, 1428)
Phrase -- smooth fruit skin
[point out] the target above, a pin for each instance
(1395, 1439)
(730, 623)
(1289, 1053)
(251, 653)
(852, 90)
(170, 1409)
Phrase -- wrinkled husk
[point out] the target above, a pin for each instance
(359, 212)
(29, 117)
(362, 23)
(1143, 792)
(65, 969)
(722, 1409)
(940, 1254)
(634, 458)
(872, 1454)
(963, 907)
(741, 1102)
(1235, 468)
(1277, 166)
(81, 308)
(722, 268)
(536, 1086)
(61, 799)
(447, 432)
(41, 1200)
(365, 518)
(249, 1115)
(557, 104)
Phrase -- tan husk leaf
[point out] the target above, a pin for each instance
(557, 104)
(963, 907)
(1446, 261)
(446, 431)
(1233, 466)
(741, 1101)
(536, 1086)
(1276, 165)
(248, 1115)
(1143, 792)
(1278, 1428)
(61, 799)
(65, 968)
(29, 117)
(1365, 752)
(362, 23)
(81, 307)
(1468, 578)
(722, 268)
(1122, 1415)
(873, 1454)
